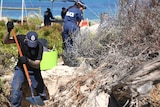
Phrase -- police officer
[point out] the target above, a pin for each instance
(48, 17)
(32, 55)
(72, 20)
(63, 12)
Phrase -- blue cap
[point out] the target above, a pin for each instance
(32, 39)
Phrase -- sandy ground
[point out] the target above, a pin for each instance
(59, 75)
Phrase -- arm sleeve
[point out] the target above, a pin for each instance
(40, 52)
(79, 16)
(51, 15)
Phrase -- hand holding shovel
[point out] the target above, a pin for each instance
(35, 100)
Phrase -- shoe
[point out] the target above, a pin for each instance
(43, 96)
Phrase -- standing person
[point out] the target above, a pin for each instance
(63, 12)
(48, 17)
(72, 20)
(32, 56)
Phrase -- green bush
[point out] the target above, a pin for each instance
(52, 34)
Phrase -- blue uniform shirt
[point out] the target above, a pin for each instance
(73, 15)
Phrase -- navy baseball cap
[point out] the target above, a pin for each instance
(32, 39)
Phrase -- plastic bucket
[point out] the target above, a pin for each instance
(49, 60)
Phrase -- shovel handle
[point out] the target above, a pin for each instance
(20, 53)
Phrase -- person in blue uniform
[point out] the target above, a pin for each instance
(48, 17)
(72, 19)
(63, 12)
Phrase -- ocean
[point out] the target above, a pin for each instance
(93, 11)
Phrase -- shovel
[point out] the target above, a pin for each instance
(35, 100)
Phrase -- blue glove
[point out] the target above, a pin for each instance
(10, 26)
(23, 60)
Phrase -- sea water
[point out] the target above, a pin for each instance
(94, 7)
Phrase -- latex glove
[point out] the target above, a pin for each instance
(23, 60)
(10, 26)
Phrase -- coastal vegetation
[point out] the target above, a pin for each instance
(120, 62)
(52, 34)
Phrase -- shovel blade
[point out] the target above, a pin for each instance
(36, 100)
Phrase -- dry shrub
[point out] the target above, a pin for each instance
(123, 42)
(141, 27)
(133, 33)
(94, 46)
(120, 46)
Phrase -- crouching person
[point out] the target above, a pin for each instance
(32, 56)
